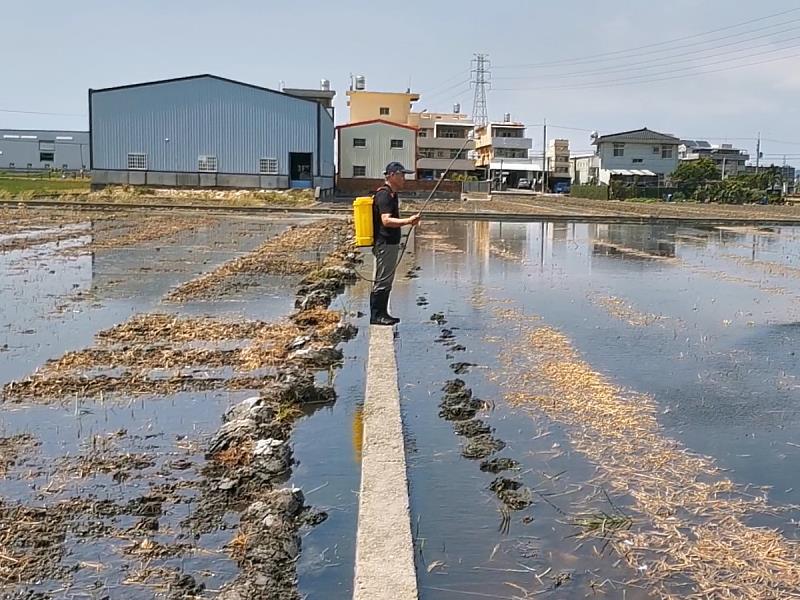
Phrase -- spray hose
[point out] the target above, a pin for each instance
(404, 241)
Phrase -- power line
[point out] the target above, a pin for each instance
(459, 75)
(643, 78)
(781, 142)
(596, 57)
(669, 60)
(460, 84)
(561, 127)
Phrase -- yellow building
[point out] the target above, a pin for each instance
(386, 106)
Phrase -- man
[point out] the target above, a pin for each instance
(386, 223)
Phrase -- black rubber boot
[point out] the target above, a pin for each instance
(377, 309)
(384, 304)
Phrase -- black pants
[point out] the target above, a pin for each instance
(385, 265)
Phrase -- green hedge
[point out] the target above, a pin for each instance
(593, 192)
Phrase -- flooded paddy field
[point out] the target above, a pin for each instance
(602, 410)
(589, 410)
(166, 381)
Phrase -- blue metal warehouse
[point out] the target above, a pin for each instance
(208, 131)
(42, 150)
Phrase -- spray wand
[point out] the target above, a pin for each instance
(404, 243)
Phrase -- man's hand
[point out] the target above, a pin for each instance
(413, 220)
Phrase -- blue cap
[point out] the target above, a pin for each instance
(396, 167)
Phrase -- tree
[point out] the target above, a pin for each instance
(690, 175)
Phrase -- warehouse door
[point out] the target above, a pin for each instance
(300, 176)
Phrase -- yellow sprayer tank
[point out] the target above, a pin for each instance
(362, 216)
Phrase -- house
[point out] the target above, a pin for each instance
(641, 156)
(365, 148)
(558, 163)
(584, 169)
(43, 150)
(443, 139)
(209, 131)
(730, 161)
(367, 105)
(502, 150)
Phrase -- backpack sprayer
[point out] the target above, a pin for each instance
(363, 215)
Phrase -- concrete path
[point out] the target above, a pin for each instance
(385, 551)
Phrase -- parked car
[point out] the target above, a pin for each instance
(561, 187)
(524, 184)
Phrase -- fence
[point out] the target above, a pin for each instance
(618, 191)
(476, 187)
(626, 192)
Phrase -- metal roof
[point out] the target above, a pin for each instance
(192, 77)
(638, 135)
(640, 172)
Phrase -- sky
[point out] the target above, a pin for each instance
(699, 70)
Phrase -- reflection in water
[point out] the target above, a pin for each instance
(358, 433)
(654, 240)
(740, 411)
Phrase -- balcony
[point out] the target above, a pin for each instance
(444, 143)
(512, 143)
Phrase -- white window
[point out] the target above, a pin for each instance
(137, 161)
(9, 136)
(666, 151)
(64, 138)
(396, 143)
(207, 164)
(28, 137)
(384, 111)
(656, 149)
(268, 166)
(359, 171)
(619, 149)
(359, 143)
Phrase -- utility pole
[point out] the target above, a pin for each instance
(481, 80)
(723, 167)
(758, 152)
(544, 155)
(784, 183)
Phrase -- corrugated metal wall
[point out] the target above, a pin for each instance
(326, 155)
(21, 147)
(378, 152)
(175, 122)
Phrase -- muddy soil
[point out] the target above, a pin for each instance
(155, 504)
(23, 229)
